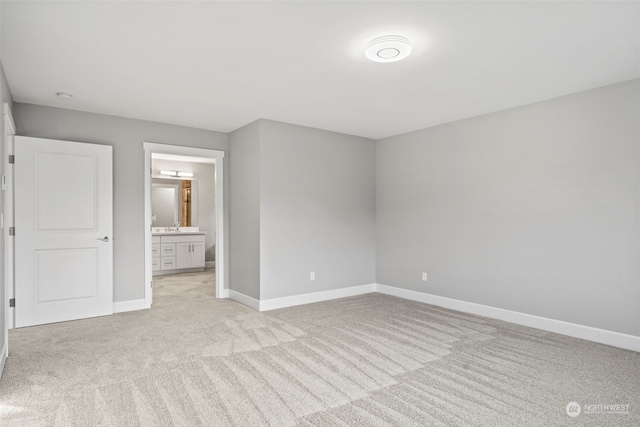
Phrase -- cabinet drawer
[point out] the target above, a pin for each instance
(155, 249)
(167, 263)
(168, 249)
(155, 263)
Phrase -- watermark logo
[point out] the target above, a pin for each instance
(613, 409)
(573, 409)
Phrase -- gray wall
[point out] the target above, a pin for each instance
(302, 200)
(244, 246)
(317, 202)
(5, 96)
(126, 136)
(204, 174)
(533, 209)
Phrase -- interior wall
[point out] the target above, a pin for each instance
(317, 203)
(204, 174)
(534, 209)
(244, 166)
(126, 136)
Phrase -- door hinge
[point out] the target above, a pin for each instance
(152, 284)
(12, 159)
(12, 231)
(12, 302)
(4, 182)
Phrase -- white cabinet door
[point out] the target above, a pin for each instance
(197, 255)
(183, 255)
(64, 231)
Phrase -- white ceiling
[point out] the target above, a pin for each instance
(221, 65)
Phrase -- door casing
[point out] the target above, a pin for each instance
(149, 148)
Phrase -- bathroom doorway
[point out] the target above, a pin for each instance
(184, 206)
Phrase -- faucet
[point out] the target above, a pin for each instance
(174, 227)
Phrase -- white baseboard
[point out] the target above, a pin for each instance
(244, 299)
(275, 303)
(3, 357)
(132, 305)
(629, 342)
(210, 264)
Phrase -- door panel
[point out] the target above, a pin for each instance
(75, 208)
(183, 255)
(197, 255)
(51, 268)
(64, 229)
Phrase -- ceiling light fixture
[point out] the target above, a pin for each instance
(64, 96)
(388, 49)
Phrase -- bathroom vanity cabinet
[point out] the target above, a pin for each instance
(177, 252)
(190, 255)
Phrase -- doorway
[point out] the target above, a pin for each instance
(194, 155)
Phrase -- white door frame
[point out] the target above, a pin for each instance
(9, 133)
(149, 148)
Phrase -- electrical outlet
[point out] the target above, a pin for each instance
(312, 276)
(424, 276)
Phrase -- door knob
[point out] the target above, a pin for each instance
(104, 239)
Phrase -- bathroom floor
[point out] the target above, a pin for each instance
(180, 288)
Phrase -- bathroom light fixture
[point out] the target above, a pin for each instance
(177, 173)
(388, 49)
(64, 96)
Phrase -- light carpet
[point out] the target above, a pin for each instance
(370, 360)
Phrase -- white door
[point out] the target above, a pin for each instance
(63, 231)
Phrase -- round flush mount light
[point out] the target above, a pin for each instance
(388, 49)
(64, 96)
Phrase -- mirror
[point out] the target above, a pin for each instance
(164, 204)
(173, 201)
